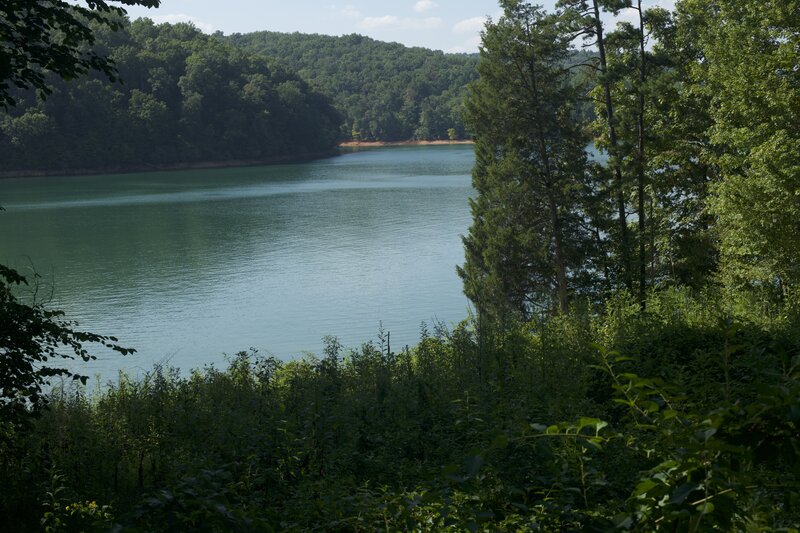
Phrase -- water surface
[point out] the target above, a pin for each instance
(185, 266)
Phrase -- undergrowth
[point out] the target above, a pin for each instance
(681, 419)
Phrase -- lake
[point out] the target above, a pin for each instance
(185, 266)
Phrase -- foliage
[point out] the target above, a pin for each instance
(675, 409)
(700, 171)
(385, 91)
(186, 98)
(459, 432)
(53, 36)
(527, 236)
(32, 338)
(750, 74)
(63, 515)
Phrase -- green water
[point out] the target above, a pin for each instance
(185, 266)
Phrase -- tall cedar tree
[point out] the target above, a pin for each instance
(628, 73)
(522, 248)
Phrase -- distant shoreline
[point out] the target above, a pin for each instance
(167, 167)
(378, 144)
(206, 165)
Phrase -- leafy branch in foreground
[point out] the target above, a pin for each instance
(55, 36)
(31, 338)
(37, 37)
(710, 470)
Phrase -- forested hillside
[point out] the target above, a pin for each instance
(190, 98)
(386, 91)
(185, 98)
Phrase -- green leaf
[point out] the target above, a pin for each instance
(623, 521)
(644, 487)
(704, 434)
(683, 492)
(500, 441)
(705, 508)
(669, 414)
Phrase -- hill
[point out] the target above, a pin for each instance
(386, 91)
(186, 99)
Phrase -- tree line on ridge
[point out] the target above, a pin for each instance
(186, 98)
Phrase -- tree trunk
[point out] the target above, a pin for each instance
(640, 163)
(612, 137)
(561, 268)
(560, 263)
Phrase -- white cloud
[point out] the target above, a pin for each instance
(631, 15)
(429, 23)
(392, 22)
(174, 18)
(666, 4)
(470, 46)
(423, 6)
(385, 21)
(470, 25)
(350, 12)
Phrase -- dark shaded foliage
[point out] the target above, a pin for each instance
(186, 98)
(42, 36)
(544, 425)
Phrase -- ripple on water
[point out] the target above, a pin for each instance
(187, 265)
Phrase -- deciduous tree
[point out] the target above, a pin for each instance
(749, 69)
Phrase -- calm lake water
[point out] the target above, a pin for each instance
(185, 266)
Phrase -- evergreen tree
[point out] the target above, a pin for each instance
(522, 251)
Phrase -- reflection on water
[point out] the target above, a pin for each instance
(187, 265)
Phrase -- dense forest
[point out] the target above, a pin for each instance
(386, 91)
(185, 98)
(189, 98)
(633, 362)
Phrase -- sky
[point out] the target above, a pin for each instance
(448, 25)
